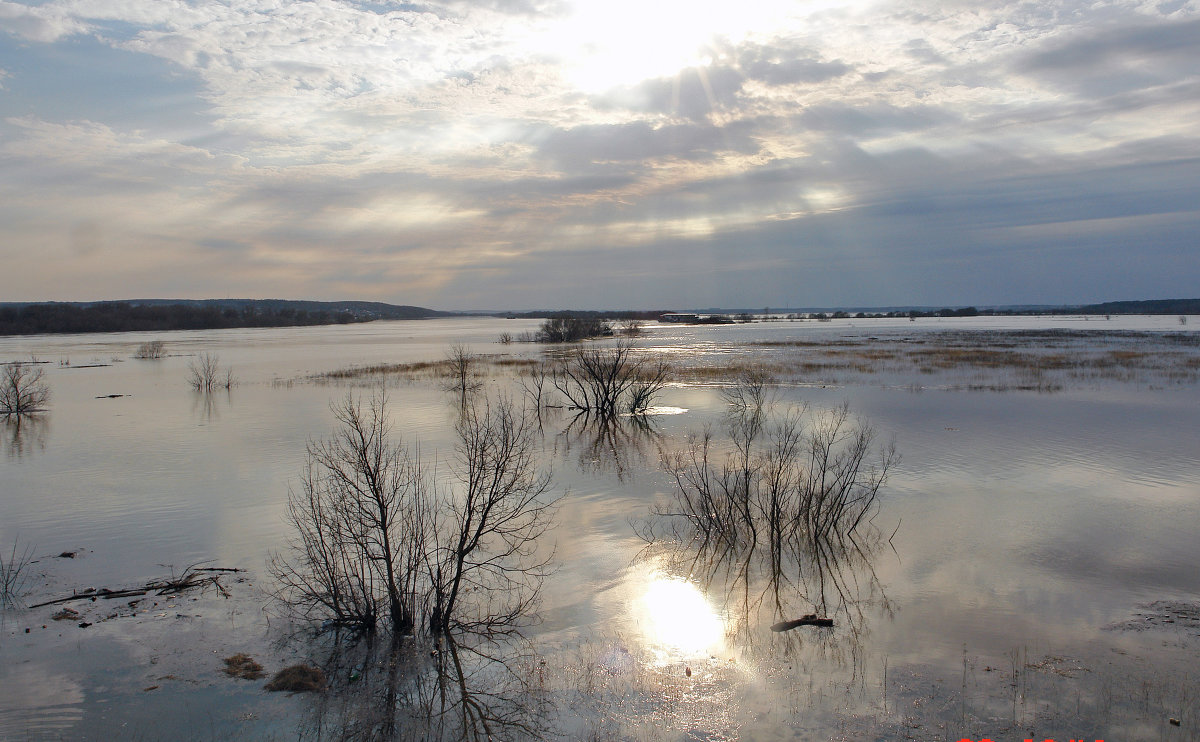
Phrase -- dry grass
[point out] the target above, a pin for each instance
(1017, 360)
(425, 370)
(243, 666)
(297, 679)
(1040, 360)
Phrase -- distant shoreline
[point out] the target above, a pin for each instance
(163, 315)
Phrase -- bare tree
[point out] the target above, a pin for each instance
(361, 518)
(151, 350)
(568, 329)
(14, 574)
(464, 379)
(608, 381)
(489, 525)
(206, 375)
(376, 539)
(791, 499)
(632, 327)
(534, 384)
(793, 475)
(23, 390)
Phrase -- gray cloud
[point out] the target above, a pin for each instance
(1120, 59)
(640, 143)
(871, 119)
(694, 93)
(788, 65)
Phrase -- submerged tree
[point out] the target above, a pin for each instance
(463, 379)
(606, 382)
(151, 350)
(569, 329)
(489, 526)
(378, 541)
(361, 517)
(14, 574)
(23, 390)
(788, 497)
(206, 375)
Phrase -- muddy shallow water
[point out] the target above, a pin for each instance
(1029, 571)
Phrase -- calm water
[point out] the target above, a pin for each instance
(1017, 531)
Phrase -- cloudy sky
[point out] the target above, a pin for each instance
(601, 153)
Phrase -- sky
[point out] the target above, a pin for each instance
(601, 154)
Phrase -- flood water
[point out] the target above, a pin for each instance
(1030, 570)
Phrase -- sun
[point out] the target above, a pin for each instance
(612, 43)
(678, 620)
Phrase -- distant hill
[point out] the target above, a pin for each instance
(152, 315)
(1151, 306)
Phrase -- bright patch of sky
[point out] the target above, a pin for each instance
(577, 153)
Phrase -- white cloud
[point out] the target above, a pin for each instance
(39, 23)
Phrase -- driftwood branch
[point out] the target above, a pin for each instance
(190, 579)
(810, 619)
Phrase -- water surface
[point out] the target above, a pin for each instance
(1019, 528)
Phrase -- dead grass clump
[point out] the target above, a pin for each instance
(243, 666)
(384, 369)
(422, 370)
(513, 362)
(297, 679)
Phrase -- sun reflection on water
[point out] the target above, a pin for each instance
(677, 620)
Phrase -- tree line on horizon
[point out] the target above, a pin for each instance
(210, 314)
(38, 319)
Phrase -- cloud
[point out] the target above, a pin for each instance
(692, 93)
(447, 152)
(872, 119)
(1120, 59)
(39, 23)
(639, 142)
(781, 64)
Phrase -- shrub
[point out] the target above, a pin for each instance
(566, 329)
(378, 543)
(151, 350)
(23, 390)
(609, 381)
(206, 375)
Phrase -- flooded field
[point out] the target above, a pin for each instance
(1026, 568)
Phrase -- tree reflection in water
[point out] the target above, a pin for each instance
(207, 406)
(24, 434)
(459, 687)
(620, 445)
(777, 520)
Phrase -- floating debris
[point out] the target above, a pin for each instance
(192, 577)
(297, 679)
(810, 619)
(1163, 615)
(243, 666)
